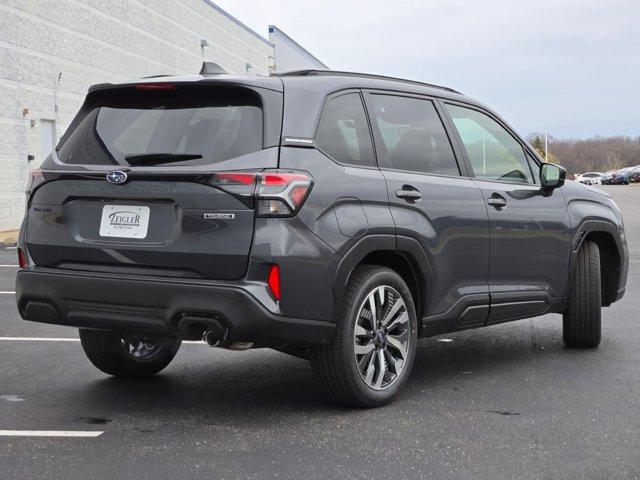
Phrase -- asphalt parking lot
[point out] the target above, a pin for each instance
(503, 402)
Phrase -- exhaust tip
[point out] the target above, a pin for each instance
(211, 338)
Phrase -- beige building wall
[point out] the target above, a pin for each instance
(52, 50)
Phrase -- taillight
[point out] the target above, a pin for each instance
(274, 281)
(22, 258)
(277, 193)
(238, 183)
(36, 177)
(281, 193)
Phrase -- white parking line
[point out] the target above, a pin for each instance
(11, 398)
(50, 433)
(12, 266)
(7, 292)
(60, 339)
(38, 339)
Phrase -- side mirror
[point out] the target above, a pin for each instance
(552, 176)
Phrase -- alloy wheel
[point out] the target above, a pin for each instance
(139, 346)
(381, 337)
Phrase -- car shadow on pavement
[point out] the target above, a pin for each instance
(265, 386)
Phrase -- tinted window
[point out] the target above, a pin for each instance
(164, 128)
(343, 132)
(413, 136)
(493, 152)
(535, 168)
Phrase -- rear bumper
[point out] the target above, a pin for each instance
(156, 306)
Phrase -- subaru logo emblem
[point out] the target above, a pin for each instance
(117, 176)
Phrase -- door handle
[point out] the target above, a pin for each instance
(409, 193)
(497, 200)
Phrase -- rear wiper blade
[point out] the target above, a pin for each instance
(147, 159)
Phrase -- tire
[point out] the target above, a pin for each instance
(581, 322)
(111, 352)
(352, 377)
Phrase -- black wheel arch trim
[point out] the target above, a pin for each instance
(405, 246)
(601, 226)
(589, 226)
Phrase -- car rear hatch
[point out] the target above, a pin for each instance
(134, 185)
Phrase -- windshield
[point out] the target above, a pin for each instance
(192, 127)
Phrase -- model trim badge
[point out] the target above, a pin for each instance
(219, 216)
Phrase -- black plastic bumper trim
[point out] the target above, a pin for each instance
(154, 306)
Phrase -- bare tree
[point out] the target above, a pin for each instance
(594, 154)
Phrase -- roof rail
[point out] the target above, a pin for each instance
(338, 73)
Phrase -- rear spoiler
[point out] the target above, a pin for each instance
(254, 82)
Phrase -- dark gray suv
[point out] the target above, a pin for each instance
(333, 216)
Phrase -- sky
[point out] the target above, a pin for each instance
(568, 67)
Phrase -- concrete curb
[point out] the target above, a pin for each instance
(9, 237)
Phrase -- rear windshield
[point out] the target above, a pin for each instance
(164, 128)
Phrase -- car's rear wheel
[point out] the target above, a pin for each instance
(581, 322)
(371, 355)
(128, 355)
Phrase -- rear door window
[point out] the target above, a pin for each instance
(343, 132)
(413, 136)
(200, 127)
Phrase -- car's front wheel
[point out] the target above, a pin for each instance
(128, 355)
(371, 355)
(581, 322)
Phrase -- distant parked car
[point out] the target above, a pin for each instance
(590, 178)
(607, 177)
(621, 177)
(634, 175)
